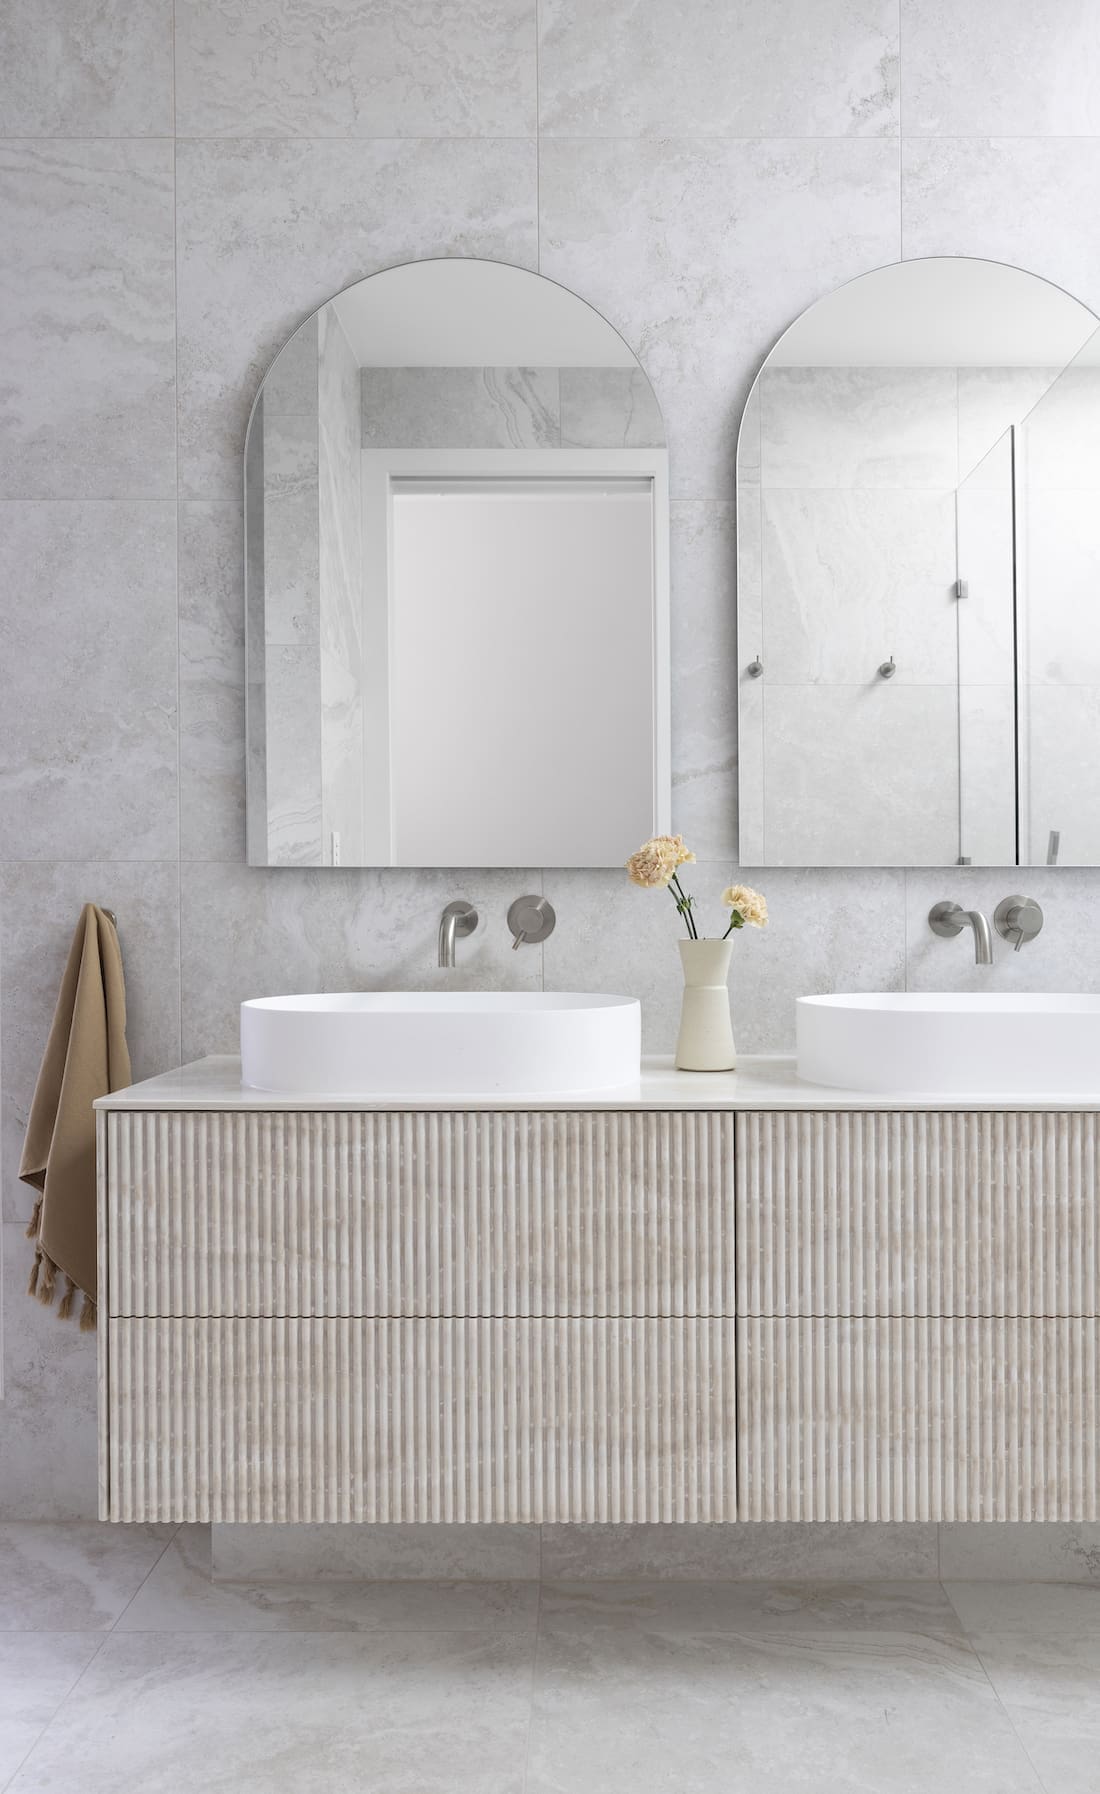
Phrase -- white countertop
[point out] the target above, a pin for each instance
(758, 1083)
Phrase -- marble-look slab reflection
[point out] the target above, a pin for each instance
(73, 1578)
(86, 68)
(251, 932)
(181, 1595)
(1060, 729)
(1040, 1647)
(460, 407)
(211, 649)
(854, 578)
(609, 408)
(861, 775)
(439, 1713)
(704, 721)
(704, 69)
(340, 576)
(858, 427)
(990, 399)
(87, 408)
(642, 1688)
(994, 68)
(699, 251)
(37, 1671)
(1058, 439)
(302, 68)
(269, 230)
(88, 681)
(292, 713)
(1014, 199)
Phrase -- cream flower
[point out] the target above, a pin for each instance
(747, 906)
(656, 861)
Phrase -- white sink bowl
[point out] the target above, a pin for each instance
(424, 1043)
(929, 1043)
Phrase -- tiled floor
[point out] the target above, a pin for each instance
(124, 1668)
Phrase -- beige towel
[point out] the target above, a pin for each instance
(86, 1056)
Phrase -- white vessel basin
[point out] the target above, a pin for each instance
(407, 1043)
(922, 1043)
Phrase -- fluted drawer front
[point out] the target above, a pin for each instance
(918, 1420)
(440, 1420)
(406, 1214)
(918, 1214)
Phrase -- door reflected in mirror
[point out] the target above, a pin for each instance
(905, 478)
(457, 581)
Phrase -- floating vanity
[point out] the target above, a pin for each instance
(699, 1298)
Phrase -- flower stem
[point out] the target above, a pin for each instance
(683, 904)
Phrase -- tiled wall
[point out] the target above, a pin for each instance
(169, 212)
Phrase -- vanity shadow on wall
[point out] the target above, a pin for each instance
(918, 556)
(456, 500)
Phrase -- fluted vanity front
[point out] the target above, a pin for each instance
(709, 1298)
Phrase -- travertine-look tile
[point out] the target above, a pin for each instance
(263, 1554)
(87, 312)
(1011, 199)
(713, 1554)
(700, 252)
(439, 1713)
(268, 231)
(88, 682)
(251, 932)
(75, 1578)
(306, 68)
(1040, 1647)
(845, 1689)
(861, 427)
(445, 408)
(86, 68)
(998, 67)
(36, 1672)
(794, 69)
(211, 648)
(182, 1596)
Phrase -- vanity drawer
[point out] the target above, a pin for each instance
(918, 1420)
(347, 1420)
(327, 1214)
(978, 1214)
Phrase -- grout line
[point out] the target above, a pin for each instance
(980, 1660)
(534, 1676)
(153, 1568)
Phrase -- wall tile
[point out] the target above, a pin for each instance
(307, 68)
(1018, 200)
(48, 1415)
(268, 231)
(86, 312)
(609, 408)
(999, 68)
(86, 68)
(211, 647)
(796, 68)
(739, 1553)
(701, 253)
(438, 408)
(254, 932)
(859, 427)
(989, 400)
(262, 1553)
(704, 720)
(88, 681)
(1065, 956)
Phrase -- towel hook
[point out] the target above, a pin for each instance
(887, 669)
(755, 668)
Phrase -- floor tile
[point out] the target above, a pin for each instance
(837, 1690)
(408, 1714)
(36, 1673)
(180, 1596)
(73, 1578)
(1040, 1646)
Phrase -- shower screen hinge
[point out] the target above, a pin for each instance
(964, 860)
(962, 588)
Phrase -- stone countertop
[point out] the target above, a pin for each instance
(758, 1083)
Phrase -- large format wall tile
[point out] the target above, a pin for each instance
(1061, 958)
(88, 681)
(793, 68)
(268, 231)
(1000, 68)
(211, 647)
(700, 252)
(1011, 199)
(704, 718)
(256, 932)
(86, 311)
(86, 68)
(859, 427)
(309, 68)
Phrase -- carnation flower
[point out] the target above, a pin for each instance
(746, 905)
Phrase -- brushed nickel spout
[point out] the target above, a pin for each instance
(948, 919)
(457, 921)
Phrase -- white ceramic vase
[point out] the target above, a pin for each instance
(706, 1032)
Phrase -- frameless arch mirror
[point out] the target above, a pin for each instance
(456, 521)
(918, 476)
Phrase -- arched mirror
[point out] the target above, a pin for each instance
(918, 498)
(457, 581)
